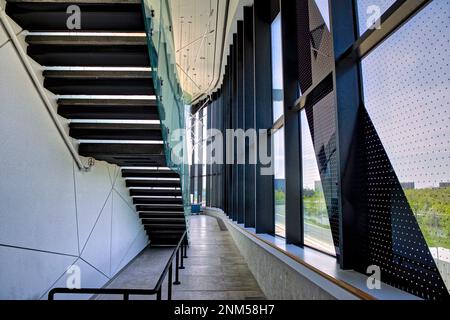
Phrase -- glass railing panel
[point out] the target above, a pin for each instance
(171, 105)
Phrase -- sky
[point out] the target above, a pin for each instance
(407, 94)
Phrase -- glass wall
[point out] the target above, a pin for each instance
(204, 156)
(277, 69)
(407, 96)
(279, 183)
(317, 231)
(278, 138)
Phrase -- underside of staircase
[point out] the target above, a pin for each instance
(102, 79)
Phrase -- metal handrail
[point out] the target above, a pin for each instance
(179, 254)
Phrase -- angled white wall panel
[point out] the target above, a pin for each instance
(89, 278)
(27, 274)
(97, 251)
(93, 189)
(121, 188)
(37, 200)
(138, 244)
(125, 228)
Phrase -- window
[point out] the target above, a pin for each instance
(277, 69)
(279, 183)
(278, 138)
(204, 155)
(317, 231)
(407, 96)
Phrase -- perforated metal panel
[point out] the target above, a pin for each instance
(404, 155)
(303, 45)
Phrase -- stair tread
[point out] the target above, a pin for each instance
(79, 1)
(169, 193)
(97, 15)
(130, 173)
(87, 40)
(107, 102)
(108, 109)
(125, 154)
(108, 131)
(97, 74)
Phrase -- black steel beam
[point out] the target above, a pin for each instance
(240, 149)
(292, 129)
(264, 222)
(347, 84)
(249, 115)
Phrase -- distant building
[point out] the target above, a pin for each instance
(407, 185)
(318, 186)
(444, 185)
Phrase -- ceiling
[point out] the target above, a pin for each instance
(202, 33)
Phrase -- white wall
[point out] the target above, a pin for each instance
(52, 215)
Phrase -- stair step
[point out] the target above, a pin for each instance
(149, 174)
(153, 184)
(163, 215)
(99, 82)
(166, 233)
(176, 221)
(108, 131)
(96, 15)
(107, 40)
(105, 51)
(162, 201)
(164, 227)
(153, 193)
(161, 211)
(125, 154)
(108, 109)
(146, 208)
(164, 242)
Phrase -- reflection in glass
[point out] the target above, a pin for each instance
(317, 231)
(279, 183)
(277, 69)
(407, 95)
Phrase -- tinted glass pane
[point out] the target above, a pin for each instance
(279, 183)
(277, 69)
(407, 96)
(316, 221)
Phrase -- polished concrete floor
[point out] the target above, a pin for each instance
(214, 270)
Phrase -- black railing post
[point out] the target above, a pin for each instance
(126, 296)
(177, 266)
(158, 294)
(169, 283)
(185, 250)
(181, 257)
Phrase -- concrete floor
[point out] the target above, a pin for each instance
(215, 269)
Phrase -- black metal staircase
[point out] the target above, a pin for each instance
(114, 36)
